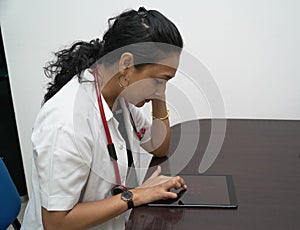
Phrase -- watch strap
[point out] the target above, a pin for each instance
(130, 204)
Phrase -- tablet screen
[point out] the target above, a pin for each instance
(204, 191)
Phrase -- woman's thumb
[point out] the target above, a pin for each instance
(156, 173)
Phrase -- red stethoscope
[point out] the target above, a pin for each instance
(118, 188)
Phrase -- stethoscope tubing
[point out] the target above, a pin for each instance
(110, 145)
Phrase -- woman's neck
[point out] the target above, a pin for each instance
(109, 87)
(110, 97)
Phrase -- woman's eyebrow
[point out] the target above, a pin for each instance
(167, 76)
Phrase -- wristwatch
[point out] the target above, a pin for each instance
(127, 197)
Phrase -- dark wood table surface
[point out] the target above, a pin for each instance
(264, 158)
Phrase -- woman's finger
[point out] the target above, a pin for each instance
(175, 182)
(156, 173)
(171, 195)
(182, 182)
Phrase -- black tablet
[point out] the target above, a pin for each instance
(211, 191)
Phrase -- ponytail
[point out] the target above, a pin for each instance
(70, 62)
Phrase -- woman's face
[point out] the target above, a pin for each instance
(149, 82)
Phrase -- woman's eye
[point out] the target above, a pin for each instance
(159, 81)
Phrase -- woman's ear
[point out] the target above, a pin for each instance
(126, 61)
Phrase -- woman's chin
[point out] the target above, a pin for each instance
(140, 104)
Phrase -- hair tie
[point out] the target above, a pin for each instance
(142, 12)
(102, 43)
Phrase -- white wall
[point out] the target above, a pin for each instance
(251, 48)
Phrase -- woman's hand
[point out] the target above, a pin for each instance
(157, 187)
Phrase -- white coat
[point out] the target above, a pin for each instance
(71, 163)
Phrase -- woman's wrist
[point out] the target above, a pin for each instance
(162, 118)
(136, 197)
(159, 109)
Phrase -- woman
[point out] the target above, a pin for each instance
(73, 171)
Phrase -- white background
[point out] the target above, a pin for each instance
(250, 47)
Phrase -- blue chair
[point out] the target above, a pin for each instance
(10, 203)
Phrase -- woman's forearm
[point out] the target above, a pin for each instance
(88, 214)
(84, 215)
(160, 130)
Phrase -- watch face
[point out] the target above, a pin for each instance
(127, 195)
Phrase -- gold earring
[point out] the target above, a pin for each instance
(126, 79)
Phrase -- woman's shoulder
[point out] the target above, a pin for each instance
(72, 103)
(58, 109)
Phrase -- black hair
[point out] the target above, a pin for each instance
(129, 28)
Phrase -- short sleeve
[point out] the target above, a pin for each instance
(62, 166)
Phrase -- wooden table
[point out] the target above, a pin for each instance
(264, 158)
